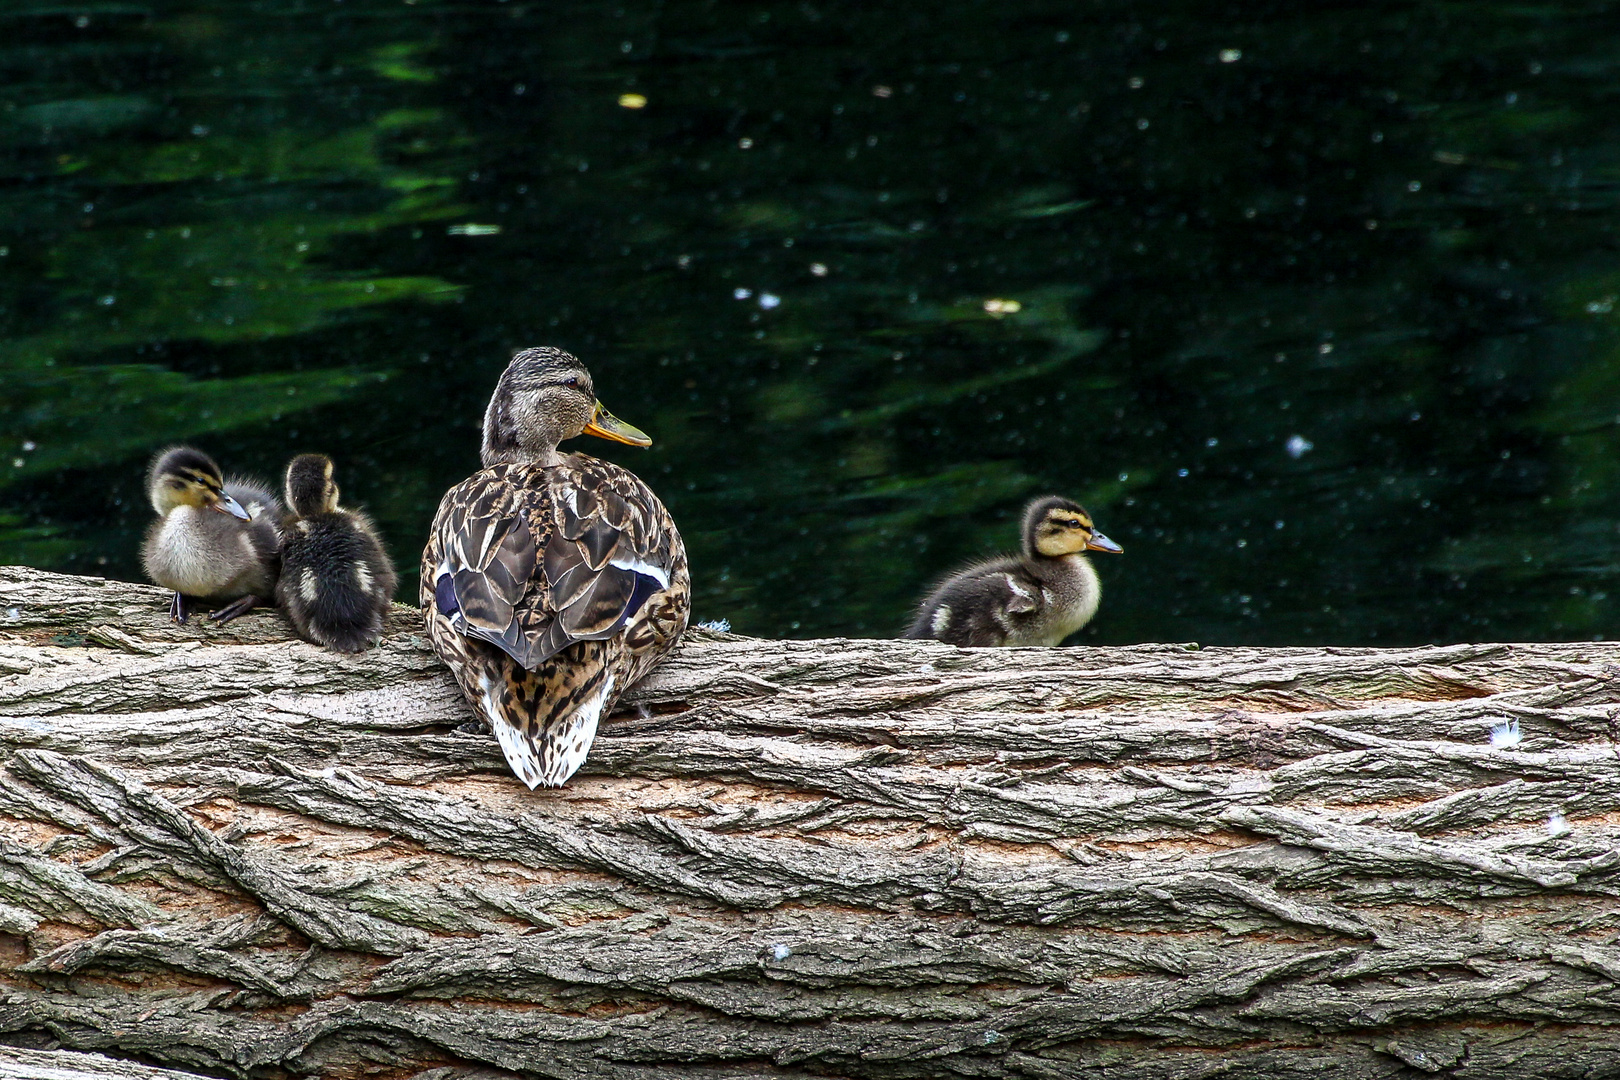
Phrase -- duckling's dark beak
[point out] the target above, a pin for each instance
(1099, 542)
(608, 426)
(228, 505)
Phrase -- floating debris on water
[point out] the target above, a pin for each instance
(633, 101)
(473, 230)
(1298, 446)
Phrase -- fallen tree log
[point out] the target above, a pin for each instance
(224, 851)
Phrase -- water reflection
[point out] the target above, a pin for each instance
(1315, 311)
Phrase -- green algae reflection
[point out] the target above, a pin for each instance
(175, 229)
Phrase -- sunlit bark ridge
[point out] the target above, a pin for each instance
(224, 851)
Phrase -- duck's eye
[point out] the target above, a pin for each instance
(572, 381)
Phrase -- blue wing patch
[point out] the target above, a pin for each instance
(444, 595)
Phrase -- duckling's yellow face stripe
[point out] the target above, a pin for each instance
(189, 487)
(1055, 541)
(1065, 532)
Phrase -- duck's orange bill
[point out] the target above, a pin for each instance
(607, 426)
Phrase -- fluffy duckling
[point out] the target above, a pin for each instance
(336, 580)
(1039, 597)
(213, 541)
(551, 582)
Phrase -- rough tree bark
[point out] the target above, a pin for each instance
(228, 852)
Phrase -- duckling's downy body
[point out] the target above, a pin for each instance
(551, 582)
(1038, 597)
(336, 580)
(213, 541)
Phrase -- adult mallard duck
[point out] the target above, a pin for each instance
(551, 582)
(1038, 597)
(213, 541)
(336, 580)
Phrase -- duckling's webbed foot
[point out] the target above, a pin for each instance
(240, 606)
(475, 727)
(177, 609)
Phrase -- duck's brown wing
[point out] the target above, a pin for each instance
(612, 549)
(606, 573)
(533, 560)
(481, 559)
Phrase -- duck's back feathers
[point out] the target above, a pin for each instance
(548, 590)
(981, 605)
(336, 580)
(533, 560)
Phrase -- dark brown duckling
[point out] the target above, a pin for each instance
(1038, 597)
(336, 580)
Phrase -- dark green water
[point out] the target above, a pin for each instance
(1318, 304)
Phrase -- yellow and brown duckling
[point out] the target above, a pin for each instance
(214, 541)
(551, 582)
(336, 580)
(1038, 597)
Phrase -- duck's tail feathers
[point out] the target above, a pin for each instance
(544, 751)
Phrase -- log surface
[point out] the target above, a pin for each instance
(224, 851)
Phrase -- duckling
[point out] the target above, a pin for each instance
(213, 541)
(551, 582)
(1039, 597)
(336, 580)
